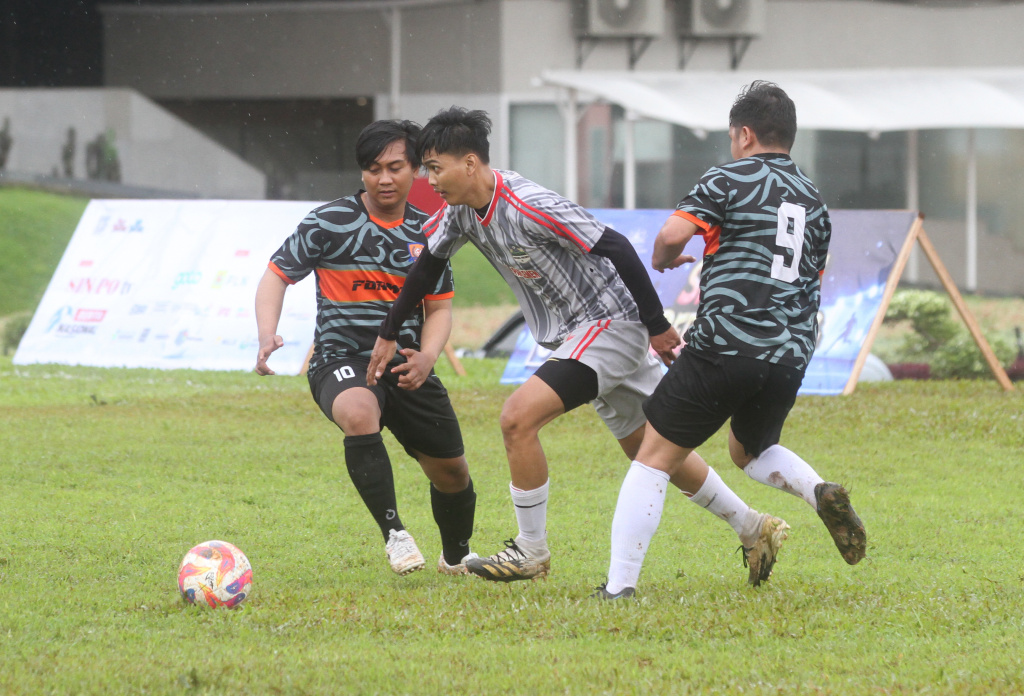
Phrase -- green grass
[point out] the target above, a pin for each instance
(110, 476)
(35, 228)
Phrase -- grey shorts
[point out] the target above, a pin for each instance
(627, 372)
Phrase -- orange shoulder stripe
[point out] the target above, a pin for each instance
(273, 266)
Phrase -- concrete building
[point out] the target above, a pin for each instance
(286, 85)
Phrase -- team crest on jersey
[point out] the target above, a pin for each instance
(519, 254)
(415, 250)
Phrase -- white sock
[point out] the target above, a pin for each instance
(718, 499)
(780, 468)
(532, 515)
(637, 515)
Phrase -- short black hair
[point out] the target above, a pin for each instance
(457, 131)
(376, 137)
(768, 111)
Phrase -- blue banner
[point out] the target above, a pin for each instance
(862, 252)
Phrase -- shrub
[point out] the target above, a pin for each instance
(939, 340)
(14, 328)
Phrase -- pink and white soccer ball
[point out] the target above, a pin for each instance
(215, 574)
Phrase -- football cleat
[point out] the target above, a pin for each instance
(403, 554)
(760, 558)
(458, 569)
(842, 522)
(604, 594)
(510, 565)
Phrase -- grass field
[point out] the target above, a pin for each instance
(110, 476)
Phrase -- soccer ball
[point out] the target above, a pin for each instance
(214, 574)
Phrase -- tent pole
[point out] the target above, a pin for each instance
(913, 198)
(972, 211)
(570, 118)
(629, 162)
(394, 108)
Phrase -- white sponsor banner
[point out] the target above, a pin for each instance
(170, 284)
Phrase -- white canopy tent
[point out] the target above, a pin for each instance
(868, 101)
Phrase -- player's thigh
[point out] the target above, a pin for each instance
(340, 390)
(757, 423)
(700, 392)
(423, 420)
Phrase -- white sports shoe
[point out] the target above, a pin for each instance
(403, 554)
(459, 569)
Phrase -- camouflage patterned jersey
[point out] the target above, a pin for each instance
(766, 232)
(360, 265)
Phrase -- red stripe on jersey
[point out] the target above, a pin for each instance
(499, 184)
(542, 218)
(273, 266)
(592, 333)
(431, 225)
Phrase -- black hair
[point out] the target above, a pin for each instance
(768, 111)
(457, 131)
(376, 137)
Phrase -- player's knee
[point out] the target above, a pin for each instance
(515, 421)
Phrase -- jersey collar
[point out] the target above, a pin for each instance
(498, 183)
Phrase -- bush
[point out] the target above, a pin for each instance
(14, 328)
(940, 341)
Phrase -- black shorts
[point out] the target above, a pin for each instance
(703, 390)
(423, 420)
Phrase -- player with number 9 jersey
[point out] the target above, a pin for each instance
(766, 234)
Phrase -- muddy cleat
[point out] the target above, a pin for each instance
(403, 554)
(459, 569)
(760, 558)
(842, 522)
(510, 565)
(604, 594)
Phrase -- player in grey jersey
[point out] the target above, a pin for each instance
(584, 293)
(766, 233)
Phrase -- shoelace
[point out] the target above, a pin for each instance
(512, 552)
(744, 551)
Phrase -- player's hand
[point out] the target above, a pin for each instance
(414, 372)
(268, 345)
(665, 343)
(383, 351)
(675, 263)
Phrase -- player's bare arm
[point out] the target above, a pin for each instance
(437, 327)
(670, 242)
(269, 300)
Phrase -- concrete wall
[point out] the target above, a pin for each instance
(155, 149)
(300, 50)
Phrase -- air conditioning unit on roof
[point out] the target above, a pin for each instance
(619, 18)
(721, 18)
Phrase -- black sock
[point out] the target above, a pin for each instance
(370, 470)
(454, 513)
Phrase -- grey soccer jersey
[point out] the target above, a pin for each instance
(539, 242)
(766, 232)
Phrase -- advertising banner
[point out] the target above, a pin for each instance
(170, 284)
(862, 252)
